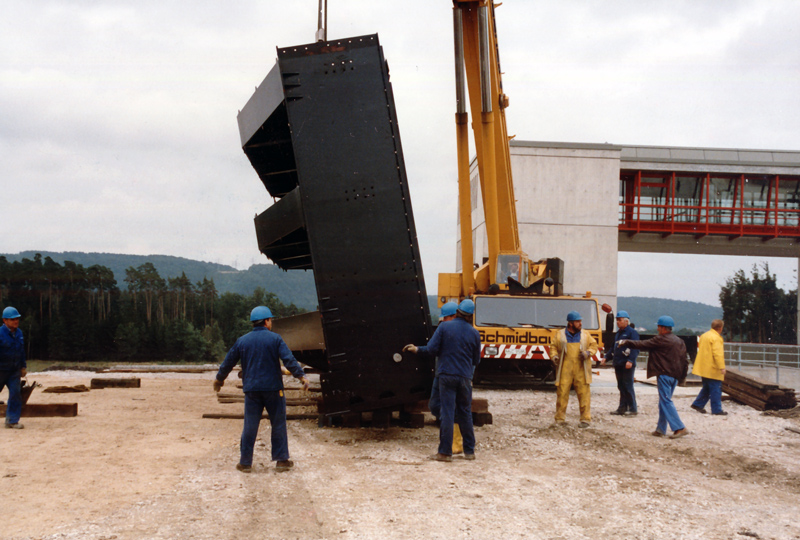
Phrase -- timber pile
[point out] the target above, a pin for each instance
(757, 393)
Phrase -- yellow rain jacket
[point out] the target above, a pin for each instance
(558, 348)
(710, 356)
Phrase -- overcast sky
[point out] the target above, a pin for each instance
(118, 124)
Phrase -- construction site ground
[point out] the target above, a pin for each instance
(142, 463)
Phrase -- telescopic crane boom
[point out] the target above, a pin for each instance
(478, 76)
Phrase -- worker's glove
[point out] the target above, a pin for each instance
(626, 352)
(305, 382)
(218, 385)
(410, 348)
(586, 355)
(621, 343)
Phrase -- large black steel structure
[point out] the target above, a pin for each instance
(321, 132)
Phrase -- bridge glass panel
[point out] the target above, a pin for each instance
(789, 201)
(688, 198)
(756, 199)
(721, 199)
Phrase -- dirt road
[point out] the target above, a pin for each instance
(142, 463)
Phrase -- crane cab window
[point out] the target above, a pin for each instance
(511, 266)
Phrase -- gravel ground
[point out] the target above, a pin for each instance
(143, 463)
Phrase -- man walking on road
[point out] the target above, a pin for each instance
(668, 362)
(458, 346)
(710, 366)
(571, 351)
(261, 352)
(624, 359)
(13, 365)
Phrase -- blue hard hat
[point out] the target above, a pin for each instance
(665, 320)
(260, 313)
(574, 316)
(467, 306)
(449, 309)
(623, 315)
(10, 313)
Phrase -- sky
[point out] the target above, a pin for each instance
(118, 127)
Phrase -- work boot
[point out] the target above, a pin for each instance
(284, 465)
(699, 409)
(14, 426)
(720, 413)
(583, 425)
(469, 457)
(442, 457)
(657, 433)
(630, 413)
(244, 468)
(618, 412)
(680, 433)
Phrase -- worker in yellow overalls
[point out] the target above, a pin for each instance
(572, 350)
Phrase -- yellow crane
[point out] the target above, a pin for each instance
(518, 302)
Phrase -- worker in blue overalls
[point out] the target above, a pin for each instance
(13, 365)
(261, 352)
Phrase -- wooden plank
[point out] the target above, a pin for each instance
(65, 389)
(39, 410)
(221, 416)
(290, 402)
(128, 382)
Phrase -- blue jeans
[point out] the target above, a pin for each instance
(11, 380)
(435, 404)
(667, 413)
(455, 394)
(712, 390)
(254, 405)
(627, 398)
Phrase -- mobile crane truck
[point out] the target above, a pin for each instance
(519, 303)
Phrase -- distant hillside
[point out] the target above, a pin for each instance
(645, 312)
(295, 287)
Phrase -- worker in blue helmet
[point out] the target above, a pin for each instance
(624, 361)
(13, 365)
(572, 351)
(669, 363)
(448, 313)
(261, 352)
(458, 346)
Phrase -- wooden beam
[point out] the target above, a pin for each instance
(39, 410)
(115, 383)
(263, 416)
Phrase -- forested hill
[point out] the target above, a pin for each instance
(645, 312)
(296, 287)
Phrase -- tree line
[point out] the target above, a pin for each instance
(73, 313)
(756, 310)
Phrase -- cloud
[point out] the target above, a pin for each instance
(119, 118)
